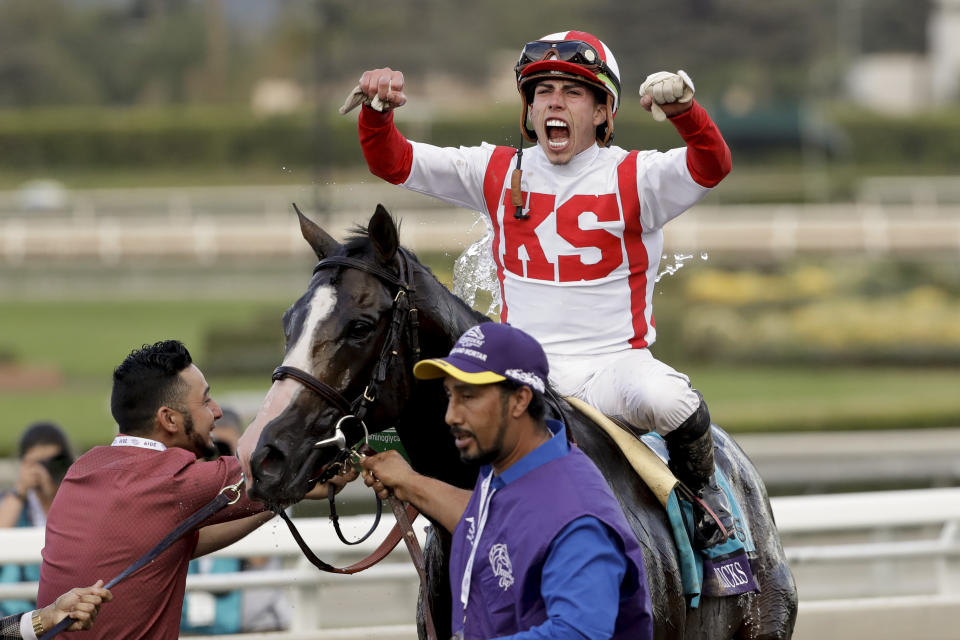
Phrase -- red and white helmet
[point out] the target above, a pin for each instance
(576, 55)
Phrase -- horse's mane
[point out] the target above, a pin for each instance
(358, 240)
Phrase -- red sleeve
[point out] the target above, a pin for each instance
(708, 156)
(388, 154)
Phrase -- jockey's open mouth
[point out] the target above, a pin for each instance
(558, 133)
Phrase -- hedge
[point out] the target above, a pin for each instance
(217, 137)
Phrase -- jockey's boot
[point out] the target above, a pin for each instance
(691, 460)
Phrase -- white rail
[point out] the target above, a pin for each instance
(111, 225)
(892, 553)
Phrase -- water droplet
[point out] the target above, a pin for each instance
(670, 269)
(475, 272)
(704, 255)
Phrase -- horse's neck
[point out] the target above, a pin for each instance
(443, 316)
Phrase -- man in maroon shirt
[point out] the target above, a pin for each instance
(116, 502)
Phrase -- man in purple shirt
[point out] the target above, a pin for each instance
(540, 547)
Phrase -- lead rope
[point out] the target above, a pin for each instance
(222, 500)
(403, 529)
(416, 555)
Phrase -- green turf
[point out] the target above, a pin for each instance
(810, 398)
(89, 338)
(84, 341)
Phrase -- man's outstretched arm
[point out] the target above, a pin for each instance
(388, 473)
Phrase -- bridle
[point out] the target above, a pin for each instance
(404, 315)
(404, 318)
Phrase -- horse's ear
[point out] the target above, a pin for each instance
(323, 245)
(383, 234)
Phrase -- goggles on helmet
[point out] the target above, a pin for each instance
(572, 51)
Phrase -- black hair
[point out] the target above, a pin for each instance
(598, 93)
(40, 433)
(146, 380)
(537, 407)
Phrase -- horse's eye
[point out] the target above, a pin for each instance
(360, 329)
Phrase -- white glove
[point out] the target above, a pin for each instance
(358, 97)
(665, 87)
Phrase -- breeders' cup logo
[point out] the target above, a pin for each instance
(525, 377)
(472, 338)
(501, 565)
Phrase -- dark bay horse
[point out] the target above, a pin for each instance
(352, 331)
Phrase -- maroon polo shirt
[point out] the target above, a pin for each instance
(114, 505)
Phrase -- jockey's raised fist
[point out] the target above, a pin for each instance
(666, 88)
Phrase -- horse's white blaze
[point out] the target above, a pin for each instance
(321, 306)
(283, 392)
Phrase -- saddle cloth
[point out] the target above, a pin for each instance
(721, 570)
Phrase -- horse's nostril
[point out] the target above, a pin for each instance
(268, 463)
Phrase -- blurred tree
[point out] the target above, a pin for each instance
(174, 51)
(894, 25)
(35, 67)
(55, 52)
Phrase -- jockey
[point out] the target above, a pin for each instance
(578, 229)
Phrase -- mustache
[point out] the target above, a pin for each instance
(457, 433)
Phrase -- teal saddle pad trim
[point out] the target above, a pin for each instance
(680, 516)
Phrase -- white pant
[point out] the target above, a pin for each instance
(632, 384)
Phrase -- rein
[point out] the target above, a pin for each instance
(404, 317)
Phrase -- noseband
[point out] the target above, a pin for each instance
(404, 316)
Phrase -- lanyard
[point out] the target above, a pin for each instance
(485, 495)
(123, 440)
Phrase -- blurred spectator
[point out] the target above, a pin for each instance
(206, 613)
(265, 608)
(227, 432)
(45, 456)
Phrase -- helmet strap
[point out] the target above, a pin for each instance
(607, 125)
(528, 133)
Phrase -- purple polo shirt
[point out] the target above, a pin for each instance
(555, 557)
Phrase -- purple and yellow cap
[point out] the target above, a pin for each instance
(489, 353)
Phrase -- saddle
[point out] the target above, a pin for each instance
(721, 570)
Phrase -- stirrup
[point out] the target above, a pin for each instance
(701, 516)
